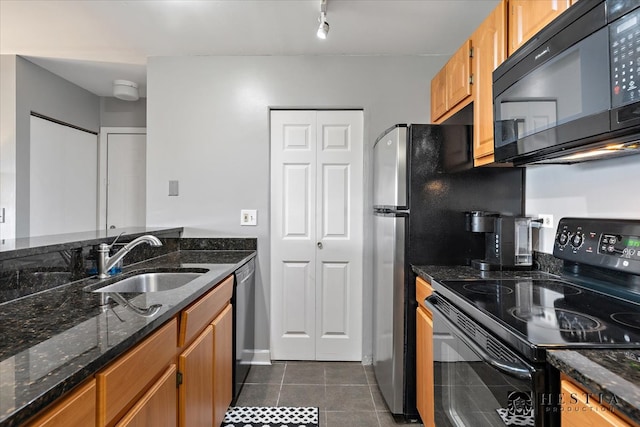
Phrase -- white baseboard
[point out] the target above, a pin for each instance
(261, 357)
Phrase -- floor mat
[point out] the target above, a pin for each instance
(271, 416)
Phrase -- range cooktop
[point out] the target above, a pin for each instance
(581, 309)
(551, 312)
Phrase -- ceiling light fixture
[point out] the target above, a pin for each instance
(125, 90)
(323, 29)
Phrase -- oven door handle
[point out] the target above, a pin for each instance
(520, 371)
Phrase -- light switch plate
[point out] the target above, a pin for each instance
(173, 188)
(248, 217)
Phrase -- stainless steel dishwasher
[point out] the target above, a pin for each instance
(243, 301)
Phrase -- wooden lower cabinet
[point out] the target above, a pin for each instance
(207, 368)
(222, 364)
(196, 391)
(578, 411)
(78, 409)
(424, 356)
(158, 407)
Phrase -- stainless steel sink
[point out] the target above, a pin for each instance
(151, 282)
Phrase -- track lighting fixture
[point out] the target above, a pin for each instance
(323, 29)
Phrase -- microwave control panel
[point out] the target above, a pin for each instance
(624, 50)
(608, 243)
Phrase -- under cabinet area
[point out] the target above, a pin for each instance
(424, 355)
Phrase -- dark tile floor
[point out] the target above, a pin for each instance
(345, 392)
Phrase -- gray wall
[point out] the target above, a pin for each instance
(27, 88)
(40, 91)
(208, 127)
(117, 113)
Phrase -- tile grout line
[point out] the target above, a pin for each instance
(284, 372)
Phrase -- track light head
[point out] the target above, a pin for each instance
(323, 29)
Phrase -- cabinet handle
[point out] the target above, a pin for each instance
(319, 245)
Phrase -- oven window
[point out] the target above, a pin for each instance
(570, 86)
(470, 392)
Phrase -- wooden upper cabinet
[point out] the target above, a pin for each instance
(439, 95)
(489, 51)
(452, 85)
(527, 17)
(458, 75)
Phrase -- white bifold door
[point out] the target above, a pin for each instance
(316, 235)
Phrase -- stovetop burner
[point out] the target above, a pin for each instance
(487, 289)
(630, 319)
(557, 319)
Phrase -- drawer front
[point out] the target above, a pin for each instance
(125, 379)
(195, 318)
(423, 290)
(78, 409)
(158, 407)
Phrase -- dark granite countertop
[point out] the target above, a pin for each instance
(53, 340)
(605, 373)
(456, 272)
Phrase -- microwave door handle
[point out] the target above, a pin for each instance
(519, 371)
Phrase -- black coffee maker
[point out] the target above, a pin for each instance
(507, 240)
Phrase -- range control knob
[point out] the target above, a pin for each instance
(577, 240)
(562, 238)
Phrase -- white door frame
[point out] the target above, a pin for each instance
(102, 166)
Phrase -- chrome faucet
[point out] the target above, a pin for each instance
(105, 262)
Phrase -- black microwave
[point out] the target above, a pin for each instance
(572, 92)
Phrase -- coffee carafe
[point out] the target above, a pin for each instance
(507, 240)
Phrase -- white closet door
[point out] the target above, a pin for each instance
(126, 179)
(293, 234)
(339, 216)
(316, 235)
(63, 179)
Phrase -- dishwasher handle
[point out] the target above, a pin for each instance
(246, 272)
(516, 370)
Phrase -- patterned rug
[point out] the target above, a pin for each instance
(270, 416)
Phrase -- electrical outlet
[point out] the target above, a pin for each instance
(248, 217)
(547, 220)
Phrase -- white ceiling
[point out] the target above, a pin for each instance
(93, 42)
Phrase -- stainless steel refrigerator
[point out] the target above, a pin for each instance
(424, 182)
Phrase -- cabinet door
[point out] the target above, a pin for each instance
(195, 394)
(489, 51)
(458, 73)
(439, 95)
(424, 367)
(222, 364)
(158, 406)
(527, 17)
(78, 409)
(577, 411)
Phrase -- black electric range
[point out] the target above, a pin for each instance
(494, 333)
(533, 315)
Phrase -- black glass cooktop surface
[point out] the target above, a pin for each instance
(547, 312)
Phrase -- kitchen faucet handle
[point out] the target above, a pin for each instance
(115, 240)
